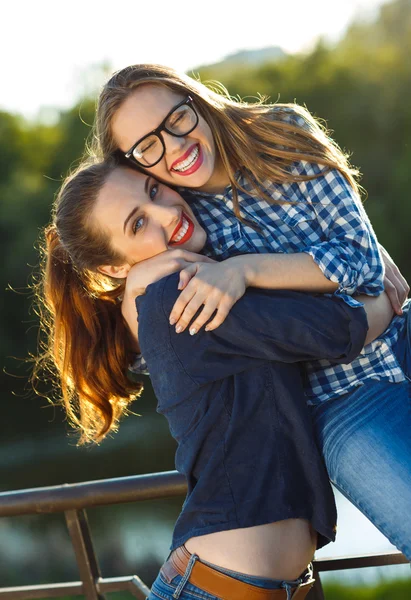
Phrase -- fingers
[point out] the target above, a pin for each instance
(204, 316)
(402, 289)
(393, 297)
(209, 292)
(397, 288)
(180, 305)
(186, 275)
(188, 314)
(222, 308)
(395, 284)
(401, 285)
(211, 306)
(220, 317)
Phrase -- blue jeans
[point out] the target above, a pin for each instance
(180, 587)
(365, 437)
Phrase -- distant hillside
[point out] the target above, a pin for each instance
(247, 58)
(255, 57)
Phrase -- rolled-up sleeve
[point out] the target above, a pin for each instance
(349, 253)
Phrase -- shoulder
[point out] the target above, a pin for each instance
(294, 115)
(165, 359)
(155, 305)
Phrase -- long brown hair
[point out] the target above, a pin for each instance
(84, 339)
(252, 137)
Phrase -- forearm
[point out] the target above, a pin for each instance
(278, 325)
(379, 314)
(299, 272)
(296, 272)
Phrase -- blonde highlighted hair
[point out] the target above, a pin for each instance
(262, 140)
(84, 341)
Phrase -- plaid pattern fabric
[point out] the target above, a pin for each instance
(138, 366)
(324, 218)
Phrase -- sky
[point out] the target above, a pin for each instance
(52, 51)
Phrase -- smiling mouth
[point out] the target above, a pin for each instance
(183, 232)
(189, 160)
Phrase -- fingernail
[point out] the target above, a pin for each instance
(193, 331)
(179, 328)
(172, 320)
(180, 285)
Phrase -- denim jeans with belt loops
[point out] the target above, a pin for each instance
(365, 437)
(180, 587)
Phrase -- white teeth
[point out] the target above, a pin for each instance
(189, 161)
(181, 232)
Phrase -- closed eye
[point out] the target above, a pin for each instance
(177, 119)
(146, 146)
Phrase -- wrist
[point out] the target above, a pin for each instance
(244, 265)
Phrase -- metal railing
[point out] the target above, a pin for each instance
(74, 499)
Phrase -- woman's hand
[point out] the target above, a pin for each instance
(219, 286)
(153, 269)
(395, 285)
(150, 271)
(215, 287)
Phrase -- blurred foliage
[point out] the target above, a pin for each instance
(390, 590)
(361, 87)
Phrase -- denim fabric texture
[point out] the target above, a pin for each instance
(238, 414)
(365, 437)
(180, 587)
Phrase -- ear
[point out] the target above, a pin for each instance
(116, 271)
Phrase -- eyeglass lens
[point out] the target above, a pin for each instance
(179, 123)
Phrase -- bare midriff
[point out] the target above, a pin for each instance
(279, 550)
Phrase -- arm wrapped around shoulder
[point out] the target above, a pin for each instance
(263, 325)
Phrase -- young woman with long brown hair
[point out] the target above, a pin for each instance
(269, 179)
(259, 500)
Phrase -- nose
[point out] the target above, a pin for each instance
(173, 144)
(165, 216)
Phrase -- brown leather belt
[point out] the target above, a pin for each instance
(223, 586)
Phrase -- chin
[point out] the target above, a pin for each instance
(197, 180)
(196, 245)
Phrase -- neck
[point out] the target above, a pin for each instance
(218, 181)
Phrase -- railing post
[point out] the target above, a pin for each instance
(79, 530)
(316, 592)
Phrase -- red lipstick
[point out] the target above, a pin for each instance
(188, 233)
(194, 167)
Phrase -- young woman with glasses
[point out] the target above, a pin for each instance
(267, 180)
(259, 500)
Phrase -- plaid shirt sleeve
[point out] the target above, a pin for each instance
(349, 254)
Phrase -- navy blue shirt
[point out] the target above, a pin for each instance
(235, 404)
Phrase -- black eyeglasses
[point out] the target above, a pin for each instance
(150, 149)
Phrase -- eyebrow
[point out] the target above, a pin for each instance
(137, 207)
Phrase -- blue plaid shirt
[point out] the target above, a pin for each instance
(324, 218)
